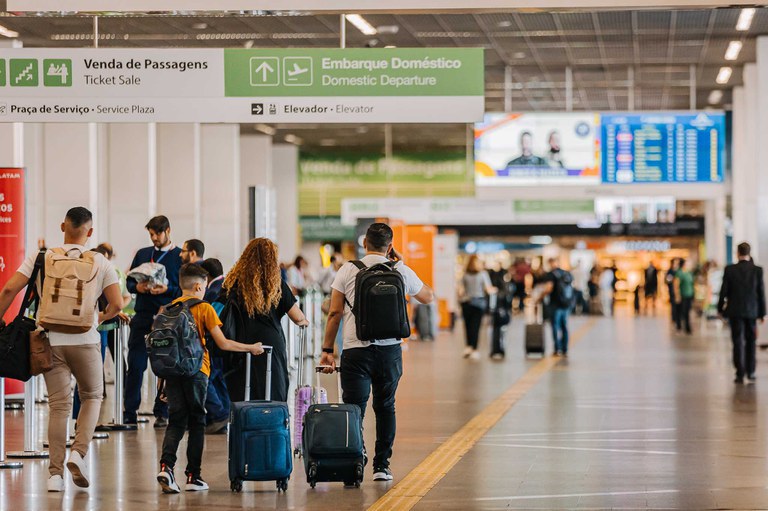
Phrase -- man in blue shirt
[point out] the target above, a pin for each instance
(149, 299)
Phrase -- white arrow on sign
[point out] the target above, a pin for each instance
(264, 69)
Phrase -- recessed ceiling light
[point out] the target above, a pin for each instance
(200, 26)
(519, 55)
(504, 24)
(724, 75)
(715, 97)
(265, 128)
(390, 46)
(328, 142)
(745, 19)
(388, 29)
(293, 139)
(8, 33)
(361, 129)
(362, 24)
(249, 43)
(732, 53)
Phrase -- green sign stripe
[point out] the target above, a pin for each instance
(354, 72)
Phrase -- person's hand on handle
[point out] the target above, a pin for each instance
(303, 323)
(328, 363)
(256, 349)
(124, 318)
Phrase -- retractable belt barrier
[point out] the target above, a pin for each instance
(121, 335)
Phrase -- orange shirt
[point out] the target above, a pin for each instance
(206, 320)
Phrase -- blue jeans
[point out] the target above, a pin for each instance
(217, 399)
(560, 329)
(141, 325)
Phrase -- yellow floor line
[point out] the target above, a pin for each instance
(408, 492)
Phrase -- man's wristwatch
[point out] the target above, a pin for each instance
(328, 350)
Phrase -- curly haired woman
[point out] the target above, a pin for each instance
(254, 285)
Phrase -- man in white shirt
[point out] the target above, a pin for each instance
(77, 355)
(370, 365)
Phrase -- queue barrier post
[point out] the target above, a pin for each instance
(121, 336)
(30, 424)
(3, 463)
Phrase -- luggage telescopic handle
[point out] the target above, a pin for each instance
(268, 390)
(337, 369)
(302, 355)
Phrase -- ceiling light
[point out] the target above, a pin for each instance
(715, 97)
(8, 33)
(328, 142)
(734, 48)
(745, 19)
(519, 55)
(361, 129)
(390, 46)
(724, 75)
(200, 26)
(293, 139)
(388, 29)
(540, 240)
(249, 44)
(265, 128)
(504, 24)
(361, 24)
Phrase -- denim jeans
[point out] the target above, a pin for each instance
(560, 329)
(217, 399)
(186, 407)
(378, 368)
(141, 325)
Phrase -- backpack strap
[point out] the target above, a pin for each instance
(192, 302)
(32, 295)
(360, 266)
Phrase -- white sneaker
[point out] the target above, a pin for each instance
(475, 355)
(78, 469)
(467, 352)
(55, 484)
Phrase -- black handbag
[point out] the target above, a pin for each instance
(14, 338)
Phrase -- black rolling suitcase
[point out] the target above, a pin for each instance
(534, 334)
(332, 441)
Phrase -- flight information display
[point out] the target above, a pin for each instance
(663, 147)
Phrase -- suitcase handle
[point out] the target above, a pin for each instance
(337, 370)
(268, 385)
(302, 354)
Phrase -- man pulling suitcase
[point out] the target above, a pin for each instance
(370, 294)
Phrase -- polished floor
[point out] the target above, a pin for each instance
(637, 417)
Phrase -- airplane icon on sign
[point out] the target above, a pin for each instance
(297, 71)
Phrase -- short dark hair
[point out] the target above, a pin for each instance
(196, 245)
(79, 216)
(298, 261)
(213, 267)
(379, 236)
(744, 249)
(191, 273)
(158, 223)
(526, 133)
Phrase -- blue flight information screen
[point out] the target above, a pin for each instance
(663, 147)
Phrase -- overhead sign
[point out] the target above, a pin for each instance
(349, 5)
(239, 85)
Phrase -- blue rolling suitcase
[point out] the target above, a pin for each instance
(259, 437)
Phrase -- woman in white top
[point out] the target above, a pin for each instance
(476, 285)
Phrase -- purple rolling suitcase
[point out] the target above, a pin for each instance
(305, 396)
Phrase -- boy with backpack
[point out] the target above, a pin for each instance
(370, 361)
(177, 351)
(561, 299)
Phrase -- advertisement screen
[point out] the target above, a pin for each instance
(663, 147)
(537, 149)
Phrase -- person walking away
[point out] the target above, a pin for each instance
(522, 270)
(262, 298)
(186, 394)
(476, 285)
(149, 299)
(371, 365)
(684, 293)
(742, 303)
(217, 402)
(502, 313)
(192, 252)
(561, 297)
(329, 274)
(606, 291)
(651, 287)
(669, 279)
(74, 354)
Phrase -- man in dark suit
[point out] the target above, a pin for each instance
(742, 301)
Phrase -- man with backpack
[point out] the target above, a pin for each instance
(370, 295)
(561, 297)
(149, 299)
(72, 279)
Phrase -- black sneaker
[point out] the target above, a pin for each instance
(382, 474)
(161, 422)
(167, 480)
(195, 483)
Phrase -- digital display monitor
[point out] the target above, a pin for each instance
(663, 147)
(529, 149)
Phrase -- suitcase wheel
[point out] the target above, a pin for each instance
(282, 485)
(297, 452)
(312, 475)
(236, 485)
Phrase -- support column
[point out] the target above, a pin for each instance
(256, 169)
(34, 162)
(131, 185)
(285, 164)
(221, 214)
(714, 230)
(759, 112)
(178, 179)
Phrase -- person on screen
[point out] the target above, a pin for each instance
(527, 158)
(554, 157)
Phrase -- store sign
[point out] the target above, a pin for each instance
(348, 5)
(239, 85)
(328, 228)
(12, 229)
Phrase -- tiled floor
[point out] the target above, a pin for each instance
(636, 418)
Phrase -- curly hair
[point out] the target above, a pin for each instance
(255, 278)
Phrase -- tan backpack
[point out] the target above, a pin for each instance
(69, 298)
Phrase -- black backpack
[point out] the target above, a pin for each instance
(174, 344)
(380, 309)
(564, 288)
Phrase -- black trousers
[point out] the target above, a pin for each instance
(744, 337)
(684, 314)
(376, 368)
(473, 318)
(186, 407)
